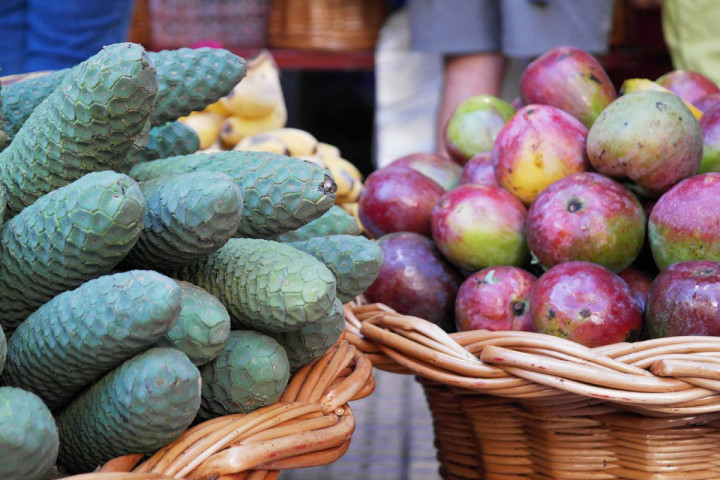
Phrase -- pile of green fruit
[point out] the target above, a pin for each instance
(145, 286)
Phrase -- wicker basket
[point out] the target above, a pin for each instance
(225, 23)
(520, 405)
(310, 425)
(331, 25)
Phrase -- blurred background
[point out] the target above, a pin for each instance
(328, 52)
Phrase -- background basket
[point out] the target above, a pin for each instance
(229, 23)
(310, 425)
(521, 405)
(326, 24)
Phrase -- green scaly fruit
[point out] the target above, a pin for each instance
(166, 140)
(311, 341)
(188, 80)
(189, 216)
(67, 237)
(281, 193)
(140, 406)
(265, 285)
(335, 221)
(87, 124)
(81, 334)
(251, 371)
(355, 261)
(29, 439)
(202, 328)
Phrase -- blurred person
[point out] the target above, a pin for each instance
(456, 49)
(52, 34)
(690, 28)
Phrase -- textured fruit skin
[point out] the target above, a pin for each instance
(81, 334)
(688, 85)
(3, 350)
(20, 98)
(586, 216)
(568, 78)
(69, 236)
(281, 193)
(479, 226)
(29, 439)
(140, 406)
(443, 170)
(265, 285)
(474, 125)
(710, 127)
(537, 146)
(478, 169)
(355, 261)
(397, 199)
(88, 123)
(415, 279)
(649, 137)
(189, 216)
(683, 300)
(310, 342)
(166, 140)
(684, 224)
(202, 327)
(586, 303)
(182, 84)
(251, 371)
(335, 221)
(495, 298)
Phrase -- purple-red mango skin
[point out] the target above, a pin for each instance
(436, 167)
(683, 300)
(586, 303)
(688, 85)
(496, 299)
(398, 199)
(479, 169)
(639, 282)
(586, 216)
(415, 279)
(537, 146)
(685, 222)
(570, 79)
(706, 102)
(649, 137)
(478, 226)
(710, 127)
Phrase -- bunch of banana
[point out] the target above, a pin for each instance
(255, 105)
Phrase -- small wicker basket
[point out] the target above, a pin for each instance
(520, 405)
(326, 24)
(310, 425)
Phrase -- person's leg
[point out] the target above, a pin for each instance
(467, 33)
(13, 25)
(64, 33)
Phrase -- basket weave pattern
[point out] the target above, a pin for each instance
(527, 405)
(326, 24)
(310, 425)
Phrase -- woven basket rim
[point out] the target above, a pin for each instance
(668, 377)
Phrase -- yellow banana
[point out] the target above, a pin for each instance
(353, 195)
(262, 142)
(327, 150)
(206, 125)
(312, 158)
(641, 84)
(219, 108)
(259, 92)
(346, 183)
(298, 141)
(344, 164)
(234, 128)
